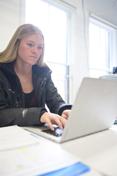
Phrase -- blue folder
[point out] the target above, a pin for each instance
(76, 169)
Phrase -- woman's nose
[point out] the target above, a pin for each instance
(35, 50)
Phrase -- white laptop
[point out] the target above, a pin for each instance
(94, 110)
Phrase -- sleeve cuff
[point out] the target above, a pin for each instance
(64, 107)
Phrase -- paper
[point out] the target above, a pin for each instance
(13, 136)
(23, 154)
(34, 160)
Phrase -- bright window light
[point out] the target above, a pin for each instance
(101, 47)
(52, 20)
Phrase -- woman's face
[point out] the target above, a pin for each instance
(30, 49)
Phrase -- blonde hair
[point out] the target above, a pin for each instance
(10, 53)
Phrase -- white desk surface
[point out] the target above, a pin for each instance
(98, 150)
(23, 153)
(91, 145)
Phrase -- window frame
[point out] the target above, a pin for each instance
(112, 44)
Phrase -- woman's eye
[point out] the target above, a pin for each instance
(30, 45)
(40, 47)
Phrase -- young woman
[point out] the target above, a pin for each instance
(26, 85)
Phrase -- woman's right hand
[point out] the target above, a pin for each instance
(51, 118)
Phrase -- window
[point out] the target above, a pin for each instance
(101, 48)
(53, 21)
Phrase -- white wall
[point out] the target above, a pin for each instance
(79, 64)
(11, 17)
(9, 20)
(106, 9)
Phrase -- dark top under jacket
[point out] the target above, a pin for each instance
(17, 108)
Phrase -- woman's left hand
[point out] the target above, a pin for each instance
(66, 113)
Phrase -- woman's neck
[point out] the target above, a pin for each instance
(23, 69)
(24, 73)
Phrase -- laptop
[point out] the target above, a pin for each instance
(94, 110)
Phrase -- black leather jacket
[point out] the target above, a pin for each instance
(12, 109)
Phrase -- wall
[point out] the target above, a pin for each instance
(9, 20)
(11, 15)
(106, 9)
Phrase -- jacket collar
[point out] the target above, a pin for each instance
(9, 68)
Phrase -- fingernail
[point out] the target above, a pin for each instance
(52, 128)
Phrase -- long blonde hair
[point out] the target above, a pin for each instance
(10, 53)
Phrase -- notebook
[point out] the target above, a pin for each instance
(94, 110)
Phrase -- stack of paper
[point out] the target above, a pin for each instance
(13, 136)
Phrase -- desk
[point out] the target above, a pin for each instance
(98, 150)
(25, 154)
(91, 145)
